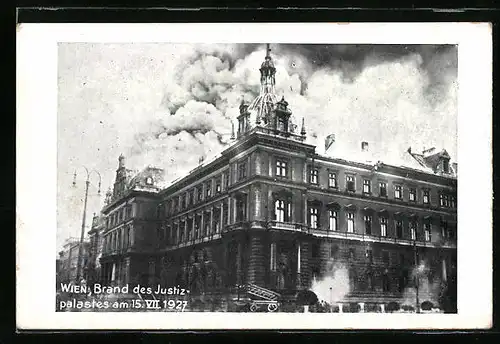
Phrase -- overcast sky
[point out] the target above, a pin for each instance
(169, 104)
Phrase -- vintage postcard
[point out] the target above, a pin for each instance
(267, 176)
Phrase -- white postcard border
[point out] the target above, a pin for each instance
(37, 169)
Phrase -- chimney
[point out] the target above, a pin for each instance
(329, 140)
(364, 146)
(365, 153)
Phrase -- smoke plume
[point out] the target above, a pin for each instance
(334, 285)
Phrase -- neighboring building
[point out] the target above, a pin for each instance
(59, 269)
(96, 243)
(69, 259)
(274, 212)
(130, 222)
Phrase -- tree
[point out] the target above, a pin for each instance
(306, 298)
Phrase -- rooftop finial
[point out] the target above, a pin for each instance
(303, 130)
(232, 131)
(268, 50)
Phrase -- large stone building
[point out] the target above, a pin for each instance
(130, 221)
(273, 211)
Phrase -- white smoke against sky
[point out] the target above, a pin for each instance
(168, 105)
(334, 285)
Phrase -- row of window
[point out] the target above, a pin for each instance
(197, 194)
(446, 200)
(120, 215)
(192, 228)
(314, 221)
(369, 255)
(117, 240)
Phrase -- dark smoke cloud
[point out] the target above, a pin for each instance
(207, 85)
(438, 61)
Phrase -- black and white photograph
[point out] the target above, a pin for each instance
(306, 178)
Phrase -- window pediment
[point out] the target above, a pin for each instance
(283, 193)
(333, 206)
(351, 207)
(314, 202)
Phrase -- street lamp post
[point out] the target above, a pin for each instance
(82, 234)
(331, 299)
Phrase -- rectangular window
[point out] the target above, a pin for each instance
(200, 193)
(413, 230)
(218, 186)
(382, 189)
(383, 226)
(333, 220)
(242, 170)
(226, 180)
(313, 218)
(399, 229)
(313, 177)
(453, 203)
(191, 197)
(444, 229)
(397, 192)
(208, 189)
(441, 200)
(279, 210)
(350, 186)
(332, 180)
(413, 195)
(241, 209)
(368, 225)
(281, 170)
(367, 188)
(426, 197)
(427, 231)
(350, 222)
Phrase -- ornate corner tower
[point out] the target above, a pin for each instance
(266, 101)
(266, 112)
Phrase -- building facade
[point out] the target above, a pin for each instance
(96, 243)
(129, 226)
(274, 212)
(68, 260)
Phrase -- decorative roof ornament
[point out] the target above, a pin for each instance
(109, 194)
(232, 131)
(303, 130)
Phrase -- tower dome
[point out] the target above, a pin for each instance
(265, 103)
